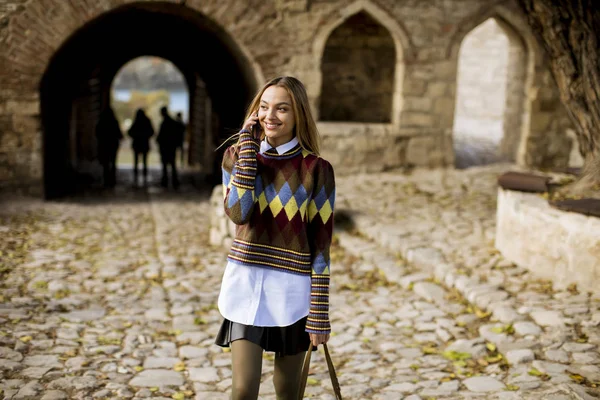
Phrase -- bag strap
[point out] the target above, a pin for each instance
(332, 375)
(330, 367)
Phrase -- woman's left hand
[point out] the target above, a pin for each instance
(318, 338)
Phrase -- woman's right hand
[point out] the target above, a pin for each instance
(251, 122)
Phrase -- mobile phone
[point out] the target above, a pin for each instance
(256, 129)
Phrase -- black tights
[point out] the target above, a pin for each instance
(247, 368)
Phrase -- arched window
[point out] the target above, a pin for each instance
(358, 72)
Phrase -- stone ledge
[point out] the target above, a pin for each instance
(553, 244)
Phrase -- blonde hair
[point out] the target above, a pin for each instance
(305, 128)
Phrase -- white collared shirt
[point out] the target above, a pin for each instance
(260, 296)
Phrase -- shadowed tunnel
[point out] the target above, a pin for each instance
(76, 86)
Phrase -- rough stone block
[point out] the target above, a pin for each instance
(567, 245)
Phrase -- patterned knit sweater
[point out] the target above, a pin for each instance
(283, 208)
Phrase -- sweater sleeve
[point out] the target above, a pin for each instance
(320, 232)
(239, 176)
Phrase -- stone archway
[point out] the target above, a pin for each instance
(82, 69)
(490, 94)
(538, 120)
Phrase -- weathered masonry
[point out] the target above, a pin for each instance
(381, 75)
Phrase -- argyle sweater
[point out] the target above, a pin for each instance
(283, 208)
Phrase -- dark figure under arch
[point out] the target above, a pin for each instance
(140, 132)
(170, 137)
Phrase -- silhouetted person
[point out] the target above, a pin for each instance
(179, 119)
(169, 138)
(108, 135)
(140, 132)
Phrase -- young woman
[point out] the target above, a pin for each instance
(280, 194)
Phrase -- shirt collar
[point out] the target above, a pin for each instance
(264, 146)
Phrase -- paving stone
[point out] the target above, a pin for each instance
(160, 362)
(430, 292)
(520, 356)
(30, 390)
(527, 328)
(483, 384)
(548, 318)
(559, 356)
(405, 387)
(54, 395)
(578, 347)
(204, 375)
(157, 377)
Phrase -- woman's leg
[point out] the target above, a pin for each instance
(246, 369)
(288, 370)
(135, 167)
(145, 161)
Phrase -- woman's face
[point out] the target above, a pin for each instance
(276, 115)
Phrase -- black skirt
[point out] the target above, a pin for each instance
(284, 341)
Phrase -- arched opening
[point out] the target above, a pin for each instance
(357, 68)
(148, 83)
(490, 96)
(76, 86)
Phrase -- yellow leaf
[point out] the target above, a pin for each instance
(154, 389)
(491, 347)
(138, 368)
(312, 381)
(577, 378)
(226, 350)
(497, 329)
(493, 359)
(535, 372)
(25, 339)
(178, 396)
(512, 387)
(429, 350)
(456, 355)
(482, 314)
(180, 366)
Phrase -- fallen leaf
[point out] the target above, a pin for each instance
(535, 372)
(312, 381)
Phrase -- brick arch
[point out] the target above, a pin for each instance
(43, 27)
(75, 86)
(403, 46)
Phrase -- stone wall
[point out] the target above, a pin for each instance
(566, 248)
(426, 36)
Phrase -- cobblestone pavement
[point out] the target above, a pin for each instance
(115, 299)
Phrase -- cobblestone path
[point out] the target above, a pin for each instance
(116, 300)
